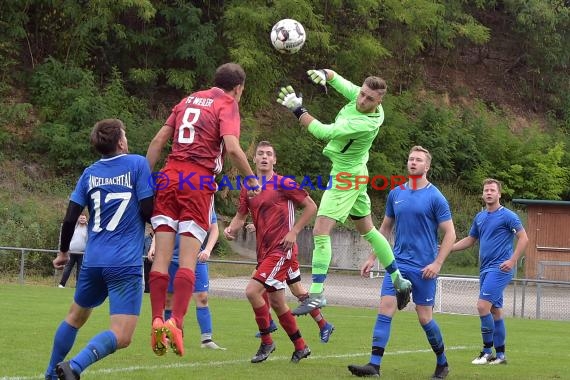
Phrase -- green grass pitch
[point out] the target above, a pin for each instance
(30, 315)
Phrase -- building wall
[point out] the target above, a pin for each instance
(549, 240)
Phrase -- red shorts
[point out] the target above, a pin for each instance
(184, 199)
(272, 272)
(294, 273)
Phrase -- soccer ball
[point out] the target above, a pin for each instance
(288, 36)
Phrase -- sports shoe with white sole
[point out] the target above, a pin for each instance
(211, 345)
(498, 360)
(483, 358)
(314, 301)
(326, 332)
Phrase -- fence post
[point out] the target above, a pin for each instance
(515, 291)
(523, 297)
(539, 288)
(22, 266)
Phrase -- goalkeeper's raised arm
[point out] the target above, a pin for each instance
(326, 76)
(361, 116)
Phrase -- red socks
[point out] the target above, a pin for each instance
(262, 319)
(287, 320)
(183, 289)
(158, 284)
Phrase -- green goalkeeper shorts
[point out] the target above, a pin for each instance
(338, 204)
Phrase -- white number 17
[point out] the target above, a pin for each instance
(114, 222)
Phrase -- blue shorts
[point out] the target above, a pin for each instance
(202, 283)
(492, 285)
(123, 285)
(423, 290)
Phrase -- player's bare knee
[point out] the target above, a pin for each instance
(77, 316)
(483, 307)
(201, 299)
(252, 292)
(424, 320)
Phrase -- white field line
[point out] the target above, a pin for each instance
(230, 362)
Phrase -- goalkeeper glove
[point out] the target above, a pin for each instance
(318, 77)
(288, 98)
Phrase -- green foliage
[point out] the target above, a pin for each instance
(31, 209)
(543, 29)
(73, 64)
(71, 103)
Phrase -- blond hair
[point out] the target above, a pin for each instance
(419, 148)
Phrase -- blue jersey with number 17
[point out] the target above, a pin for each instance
(111, 188)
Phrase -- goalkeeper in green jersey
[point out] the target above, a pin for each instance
(349, 140)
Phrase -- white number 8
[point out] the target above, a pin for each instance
(188, 124)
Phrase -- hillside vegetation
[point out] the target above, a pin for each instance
(484, 85)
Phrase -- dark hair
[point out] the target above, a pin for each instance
(106, 134)
(376, 84)
(228, 76)
(264, 143)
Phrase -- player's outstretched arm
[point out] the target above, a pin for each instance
(213, 234)
(157, 143)
(466, 242)
(239, 159)
(67, 228)
(289, 99)
(236, 224)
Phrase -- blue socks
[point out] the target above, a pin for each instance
(499, 338)
(204, 319)
(380, 337)
(487, 332)
(435, 339)
(62, 343)
(100, 346)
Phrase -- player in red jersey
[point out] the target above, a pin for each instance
(298, 290)
(203, 127)
(273, 213)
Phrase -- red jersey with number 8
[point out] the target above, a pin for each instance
(200, 121)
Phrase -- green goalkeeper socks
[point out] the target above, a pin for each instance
(383, 252)
(321, 260)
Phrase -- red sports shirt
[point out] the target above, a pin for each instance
(273, 213)
(200, 121)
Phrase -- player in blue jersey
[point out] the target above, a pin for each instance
(416, 212)
(494, 228)
(201, 286)
(115, 189)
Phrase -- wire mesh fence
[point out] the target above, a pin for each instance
(525, 298)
